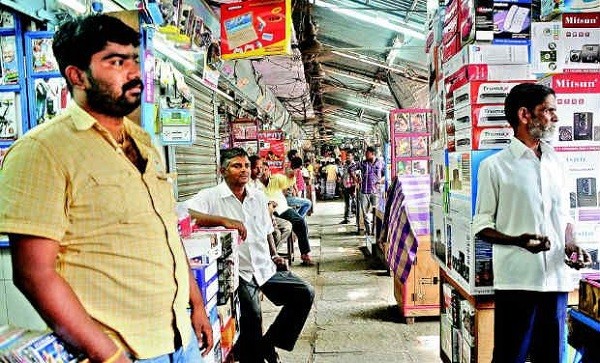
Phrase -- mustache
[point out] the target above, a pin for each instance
(133, 84)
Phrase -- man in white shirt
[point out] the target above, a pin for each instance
(521, 209)
(232, 204)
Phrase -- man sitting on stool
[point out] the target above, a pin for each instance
(232, 204)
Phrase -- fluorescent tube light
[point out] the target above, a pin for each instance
(74, 5)
(352, 125)
(364, 16)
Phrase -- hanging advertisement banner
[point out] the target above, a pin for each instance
(256, 28)
(272, 149)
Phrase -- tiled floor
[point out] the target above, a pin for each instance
(354, 317)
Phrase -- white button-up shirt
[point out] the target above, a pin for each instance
(519, 193)
(255, 257)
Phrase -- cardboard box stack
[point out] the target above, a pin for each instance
(478, 50)
(214, 260)
(30, 346)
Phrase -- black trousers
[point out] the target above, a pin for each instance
(349, 200)
(299, 227)
(283, 289)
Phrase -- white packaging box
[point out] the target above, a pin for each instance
(550, 9)
(463, 168)
(439, 177)
(439, 249)
(471, 258)
(203, 247)
(484, 72)
(474, 115)
(566, 46)
(446, 336)
(512, 22)
(483, 92)
(483, 138)
(487, 54)
(582, 192)
(467, 352)
(578, 111)
(467, 328)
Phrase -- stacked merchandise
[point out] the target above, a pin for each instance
(470, 82)
(214, 261)
(478, 50)
(457, 320)
(27, 346)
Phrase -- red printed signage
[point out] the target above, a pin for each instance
(255, 28)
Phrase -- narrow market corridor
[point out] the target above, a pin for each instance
(355, 317)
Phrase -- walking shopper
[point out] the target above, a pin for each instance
(369, 179)
(349, 187)
(247, 207)
(83, 196)
(520, 210)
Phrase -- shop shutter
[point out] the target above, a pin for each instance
(196, 165)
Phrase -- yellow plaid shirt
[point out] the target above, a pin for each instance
(68, 180)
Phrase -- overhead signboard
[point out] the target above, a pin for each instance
(256, 28)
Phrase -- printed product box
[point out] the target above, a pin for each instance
(512, 22)
(202, 247)
(568, 46)
(463, 168)
(216, 356)
(485, 72)
(204, 273)
(451, 47)
(446, 336)
(439, 177)
(483, 138)
(438, 128)
(451, 12)
(589, 295)
(467, 314)
(578, 111)
(550, 9)
(456, 344)
(438, 234)
(487, 54)
(475, 115)
(467, 352)
(483, 92)
(582, 183)
(446, 306)
(208, 289)
(471, 258)
(450, 135)
(476, 20)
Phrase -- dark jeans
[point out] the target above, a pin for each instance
(349, 201)
(283, 289)
(299, 227)
(529, 322)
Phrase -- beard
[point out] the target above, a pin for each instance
(538, 131)
(100, 99)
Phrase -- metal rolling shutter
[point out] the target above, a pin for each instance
(196, 165)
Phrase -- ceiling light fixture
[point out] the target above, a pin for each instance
(74, 5)
(354, 126)
(364, 16)
(331, 71)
